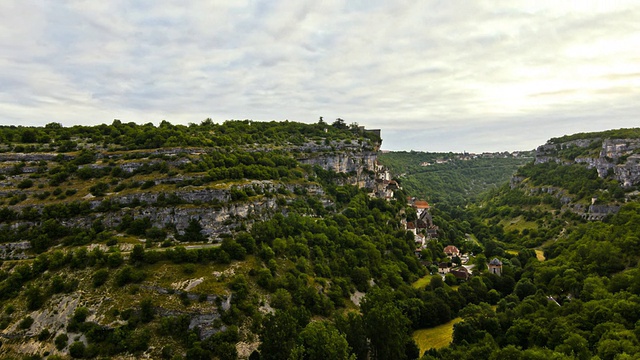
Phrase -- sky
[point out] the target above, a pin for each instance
(434, 75)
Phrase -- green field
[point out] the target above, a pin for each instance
(518, 224)
(435, 337)
(540, 255)
(423, 281)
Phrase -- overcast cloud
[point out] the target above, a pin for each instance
(446, 75)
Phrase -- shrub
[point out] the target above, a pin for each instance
(76, 350)
(100, 277)
(44, 334)
(147, 184)
(155, 234)
(35, 298)
(26, 323)
(25, 184)
(114, 260)
(128, 275)
(99, 189)
(61, 341)
(80, 315)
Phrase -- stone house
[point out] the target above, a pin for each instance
(495, 266)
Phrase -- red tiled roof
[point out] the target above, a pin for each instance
(421, 204)
(451, 250)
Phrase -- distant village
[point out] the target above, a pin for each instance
(424, 231)
(465, 156)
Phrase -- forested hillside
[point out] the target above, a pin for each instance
(198, 242)
(580, 299)
(452, 178)
(285, 241)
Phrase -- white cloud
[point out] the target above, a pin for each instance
(434, 75)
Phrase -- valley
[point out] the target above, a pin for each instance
(284, 240)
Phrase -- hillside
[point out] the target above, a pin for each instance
(283, 240)
(188, 241)
(452, 178)
(581, 301)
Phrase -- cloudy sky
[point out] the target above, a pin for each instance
(448, 75)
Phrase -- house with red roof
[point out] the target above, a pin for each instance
(451, 251)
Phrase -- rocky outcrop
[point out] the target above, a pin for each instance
(19, 157)
(629, 172)
(617, 158)
(360, 166)
(214, 220)
(15, 250)
(342, 162)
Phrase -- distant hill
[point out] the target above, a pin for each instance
(586, 176)
(452, 178)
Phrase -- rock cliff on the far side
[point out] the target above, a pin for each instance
(617, 158)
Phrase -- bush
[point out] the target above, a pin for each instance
(147, 310)
(114, 260)
(61, 341)
(155, 234)
(99, 189)
(76, 350)
(100, 277)
(25, 184)
(147, 184)
(128, 275)
(25, 323)
(44, 334)
(80, 315)
(4, 322)
(35, 298)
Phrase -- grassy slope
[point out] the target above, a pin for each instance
(423, 281)
(435, 337)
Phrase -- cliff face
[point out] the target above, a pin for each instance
(618, 158)
(357, 160)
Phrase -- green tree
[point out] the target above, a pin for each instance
(524, 287)
(320, 340)
(481, 262)
(352, 326)
(279, 333)
(193, 232)
(386, 326)
(25, 184)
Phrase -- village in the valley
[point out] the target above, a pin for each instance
(425, 231)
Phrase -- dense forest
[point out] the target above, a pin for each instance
(451, 178)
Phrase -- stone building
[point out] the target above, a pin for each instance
(495, 266)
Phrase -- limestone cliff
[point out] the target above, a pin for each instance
(617, 158)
